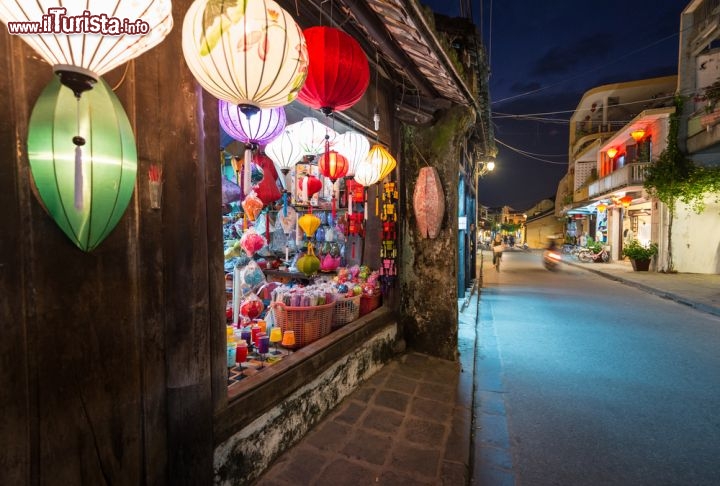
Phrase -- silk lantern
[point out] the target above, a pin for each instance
(366, 175)
(311, 136)
(355, 147)
(267, 189)
(253, 130)
(79, 59)
(285, 153)
(381, 158)
(252, 54)
(309, 186)
(108, 173)
(338, 74)
(333, 166)
(309, 223)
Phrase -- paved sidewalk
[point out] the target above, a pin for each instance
(700, 291)
(410, 424)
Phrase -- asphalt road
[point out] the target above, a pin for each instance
(602, 384)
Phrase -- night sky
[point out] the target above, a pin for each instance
(543, 57)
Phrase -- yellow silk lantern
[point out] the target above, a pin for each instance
(309, 224)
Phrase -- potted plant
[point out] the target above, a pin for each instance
(640, 255)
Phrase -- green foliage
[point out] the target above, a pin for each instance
(712, 92)
(674, 177)
(510, 227)
(593, 245)
(636, 251)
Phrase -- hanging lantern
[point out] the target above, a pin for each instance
(252, 54)
(602, 207)
(355, 147)
(309, 223)
(284, 152)
(259, 129)
(612, 152)
(309, 186)
(638, 134)
(80, 59)
(626, 201)
(338, 72)
(311, 136)
(333, 165)
(366, 175)
(108, 173)
(382, 159)
(253, 130)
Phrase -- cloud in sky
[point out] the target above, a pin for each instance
(563, 59)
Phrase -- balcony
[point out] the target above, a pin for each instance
(628, 178)
(703, 131)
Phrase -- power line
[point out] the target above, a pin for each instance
(528, 154)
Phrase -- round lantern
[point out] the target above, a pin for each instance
(311, 136)
(252, 54)
(253, 130)
(333, 165)
(258, 129)
(381, 158)
(106, 177)
(612, 152)
(355, 147)
(338, 74)
(602, 207)
(308, 264)
(80, 59)
(638, 134)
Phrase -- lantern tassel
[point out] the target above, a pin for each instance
(78, 178)
(366, 205)
(333, 212)
(284, 205)
(247, 172)
(349, 198)
(377, 201)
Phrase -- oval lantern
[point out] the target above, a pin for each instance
(333, 165)
(355, 147)
(252, 54)
(109, 167)
(80, 59)
(253, 130)
(429, 202)
(284, 152)
(308, 264)
(338, 74)
(367, 173)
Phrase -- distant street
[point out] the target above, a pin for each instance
(602, 384)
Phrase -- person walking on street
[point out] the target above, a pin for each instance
(497, 248)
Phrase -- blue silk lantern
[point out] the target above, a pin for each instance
(109, 160)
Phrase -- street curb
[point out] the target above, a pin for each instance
(708, 309)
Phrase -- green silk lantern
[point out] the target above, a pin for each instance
(108, 160)
(308, 264)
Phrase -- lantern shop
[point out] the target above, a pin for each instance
(203, 229)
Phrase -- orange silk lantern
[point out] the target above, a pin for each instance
(333, 166)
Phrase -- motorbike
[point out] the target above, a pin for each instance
(551, 259)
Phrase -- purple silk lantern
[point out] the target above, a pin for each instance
(254, 130)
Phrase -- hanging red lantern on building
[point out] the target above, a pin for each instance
(333, 166)
(338, 71)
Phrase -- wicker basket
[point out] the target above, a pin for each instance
(346, 311)
(369, 303)
(308, 323)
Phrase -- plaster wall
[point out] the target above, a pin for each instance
(696, 239)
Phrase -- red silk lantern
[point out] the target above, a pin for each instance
(338, 71)
(333, 165)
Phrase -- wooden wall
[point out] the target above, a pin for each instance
(106, 356)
